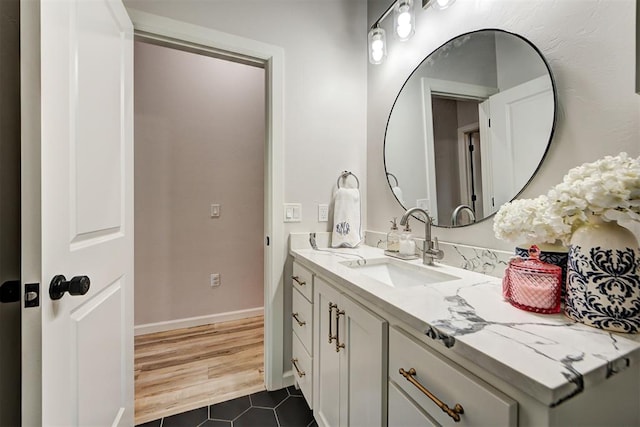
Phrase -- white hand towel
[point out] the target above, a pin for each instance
(398, 192)
(346, 218)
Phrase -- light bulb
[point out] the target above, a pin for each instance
(377, 48)
(377, 54)
(404, 20)
(442, 4)
(403, 31)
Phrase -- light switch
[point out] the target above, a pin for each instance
(215, 211)
(292, 212)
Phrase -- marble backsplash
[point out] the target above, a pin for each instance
(481, 260)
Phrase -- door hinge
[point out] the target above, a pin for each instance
(267, 240)
(473, 198)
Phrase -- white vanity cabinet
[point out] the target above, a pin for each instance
(515, 369)
(469, 400)
(350, 361)
(302, 325)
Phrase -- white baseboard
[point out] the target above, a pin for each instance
(169, 325)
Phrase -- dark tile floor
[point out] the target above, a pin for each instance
(280, 408)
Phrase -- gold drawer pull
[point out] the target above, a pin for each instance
(331, 307)
(453, 413)
(337, 337)
(300, 322)
(298, 281)
(295, 365)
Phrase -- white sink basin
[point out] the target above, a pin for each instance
(398, 274)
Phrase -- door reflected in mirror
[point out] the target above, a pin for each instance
(470, 127)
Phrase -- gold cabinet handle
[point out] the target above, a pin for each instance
(331, 307)
(295, 365)
(453, 413)
(300, 322)
(298, 281)
(338, 314)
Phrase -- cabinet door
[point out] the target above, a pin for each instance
(363, 361)
(326, 361)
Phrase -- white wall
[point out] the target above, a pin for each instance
(590, 47)
(199, 139)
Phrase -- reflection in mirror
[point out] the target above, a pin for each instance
(470, 127)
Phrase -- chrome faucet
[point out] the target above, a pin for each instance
(430, 250)
(456, 212)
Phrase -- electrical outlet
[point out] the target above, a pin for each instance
(215, 280)
(323, 213)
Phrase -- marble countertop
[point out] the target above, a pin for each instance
(549, 357)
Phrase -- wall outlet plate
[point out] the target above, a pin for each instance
(323, 213)
(214, 280)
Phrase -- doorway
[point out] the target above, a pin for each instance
(200, 133)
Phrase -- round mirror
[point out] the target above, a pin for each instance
(470, 127)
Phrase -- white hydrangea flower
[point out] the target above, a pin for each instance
(609, 187)
(528, 221)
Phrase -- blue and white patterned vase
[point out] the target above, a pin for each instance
(603, 277)
(555, 254)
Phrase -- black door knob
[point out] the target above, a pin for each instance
(79, 285)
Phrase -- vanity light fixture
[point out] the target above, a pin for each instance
(377, 45)
(404, 25)
(404, 19)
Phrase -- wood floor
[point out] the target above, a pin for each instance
(184, 369)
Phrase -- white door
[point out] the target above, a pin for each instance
(521, 117)
(78, 211)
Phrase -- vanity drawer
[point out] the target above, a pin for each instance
(482, 404)
(302, 369)
(302, 280)
(403, 412)
(302, 322)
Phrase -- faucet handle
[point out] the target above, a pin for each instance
(439, 254)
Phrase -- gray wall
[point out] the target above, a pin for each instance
(10, 209)
(590, 46)
(199, 139)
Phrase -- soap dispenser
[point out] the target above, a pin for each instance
(407, 245)
(393, 238)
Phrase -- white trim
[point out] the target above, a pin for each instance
(169, 325)
(464, 161)
(276, 252)
(458, 89)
